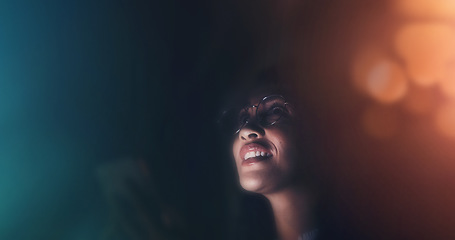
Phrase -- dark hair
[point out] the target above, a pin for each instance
(266, 81)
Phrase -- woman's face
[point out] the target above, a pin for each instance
(265, 155)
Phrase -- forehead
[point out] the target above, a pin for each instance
(262, 100)
(255, 96)
(254, 100)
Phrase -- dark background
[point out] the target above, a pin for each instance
(88, 84)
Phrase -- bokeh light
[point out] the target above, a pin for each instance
(380, 121)
(386, 82)
(445, 119)
(362, 62)
(426, 49)
(439, 9)
(379, 77)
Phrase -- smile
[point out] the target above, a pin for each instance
(254, 152)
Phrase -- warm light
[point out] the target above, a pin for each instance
(426, 49)
(447, 84)
(419, 100)
(445, 120)
(380, 121)
(386, 82)
(362, 63)
(379, 77)
(439, 9)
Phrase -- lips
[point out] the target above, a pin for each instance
(254, 152)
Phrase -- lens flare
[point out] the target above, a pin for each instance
(380, 122)
(426, 49)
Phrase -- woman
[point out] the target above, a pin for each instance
(270, 159)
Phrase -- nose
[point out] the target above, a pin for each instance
(251, 131)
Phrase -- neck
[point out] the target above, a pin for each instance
(291, 209)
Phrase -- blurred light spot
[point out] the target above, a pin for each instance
(439, 9)
(386, 82)
(426, 49)
(380, 122)
(447, 84)
(362, 64)
(445, 120)
(379, 77)
(419, 100)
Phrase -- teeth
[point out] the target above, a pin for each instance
(249, 155)
(256, 154)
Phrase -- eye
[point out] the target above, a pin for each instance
(273, 115)
(277, 111)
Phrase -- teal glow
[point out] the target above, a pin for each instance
(56, 88)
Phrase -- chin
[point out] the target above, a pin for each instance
(255, 185)
(251, 185)
(264, 184)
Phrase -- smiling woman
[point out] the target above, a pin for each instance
(272, 156)
(264, 156)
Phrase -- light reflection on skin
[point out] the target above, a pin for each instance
(275, 177)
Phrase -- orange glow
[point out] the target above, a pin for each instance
(362, 64)
(445, 120)
(380, 122)
(439, 9)
(447, 84)
(379, 77)
(426, 49)
(419, 100)
(386, 82)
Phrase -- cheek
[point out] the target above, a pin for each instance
(286, 146)
(235, 148)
